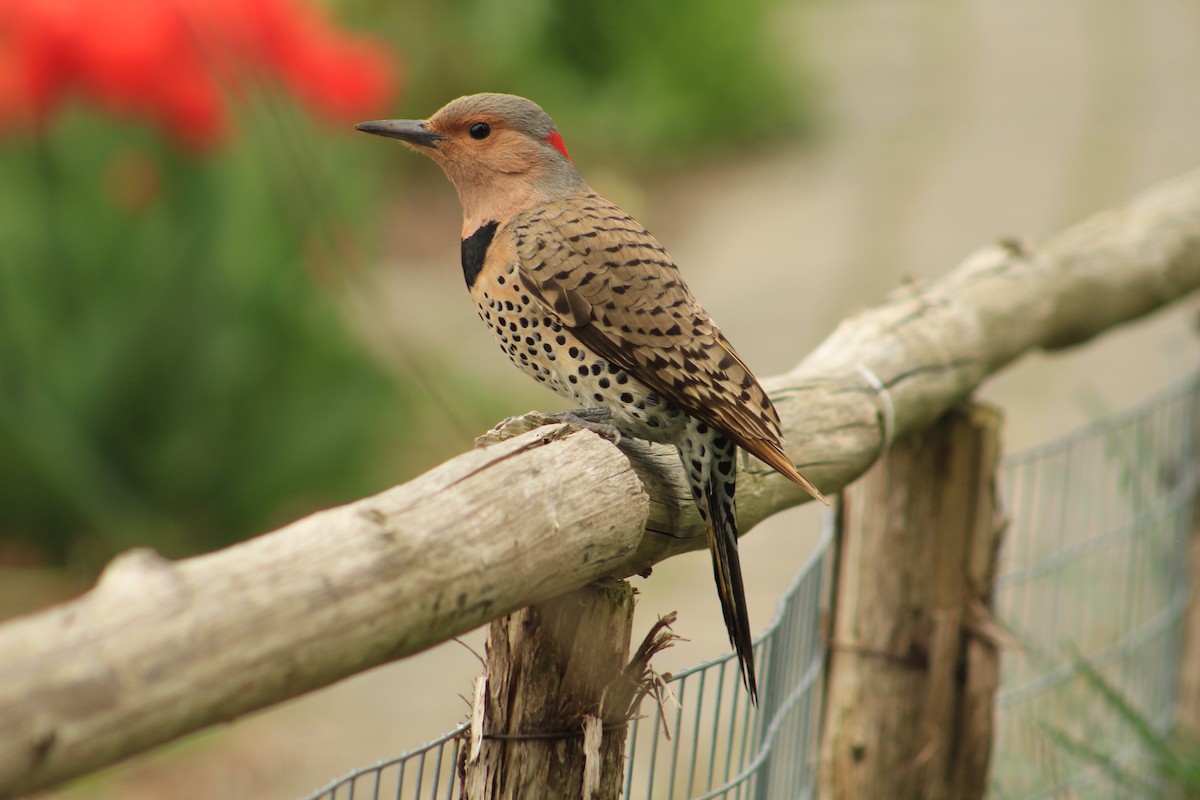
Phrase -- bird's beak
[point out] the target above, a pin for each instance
(412, 131)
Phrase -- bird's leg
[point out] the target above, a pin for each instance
(596, 420)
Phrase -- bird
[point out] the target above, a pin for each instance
(584, 299)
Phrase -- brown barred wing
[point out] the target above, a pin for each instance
(614, 285)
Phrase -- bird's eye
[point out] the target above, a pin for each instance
(480, 130)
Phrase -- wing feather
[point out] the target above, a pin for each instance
(614, 285)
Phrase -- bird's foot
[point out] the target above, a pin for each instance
(596, 420)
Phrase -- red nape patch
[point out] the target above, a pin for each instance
(555, 140)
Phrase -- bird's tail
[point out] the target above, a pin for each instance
(710, 463)
(772, 453)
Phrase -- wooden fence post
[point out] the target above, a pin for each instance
(912, 669)
(553, 710)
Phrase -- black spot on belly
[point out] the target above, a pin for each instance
(474, 250)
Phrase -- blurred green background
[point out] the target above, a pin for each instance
(178, 368)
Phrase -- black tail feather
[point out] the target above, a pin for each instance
(727, 571)
(709, 459)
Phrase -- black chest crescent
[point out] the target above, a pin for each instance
(474, 250)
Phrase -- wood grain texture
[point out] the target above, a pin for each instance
(912, 674)
(551, 668)
(159, 649)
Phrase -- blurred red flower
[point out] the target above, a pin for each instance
(176, 62)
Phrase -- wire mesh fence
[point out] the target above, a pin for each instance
(428, 773)
(721, 746)
(1093, 570)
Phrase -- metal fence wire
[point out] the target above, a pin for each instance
(1093, 570)
(721, 746)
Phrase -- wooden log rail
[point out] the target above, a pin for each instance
(159, 649)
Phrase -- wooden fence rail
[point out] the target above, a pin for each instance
(159, 649)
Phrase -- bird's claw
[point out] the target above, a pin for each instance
(596, 420)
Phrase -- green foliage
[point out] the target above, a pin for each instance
(1164, 765)
(171, 370)
(173, 367)
(659, 83)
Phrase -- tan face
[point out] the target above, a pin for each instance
(480, 143)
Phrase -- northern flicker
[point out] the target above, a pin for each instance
(585, 300)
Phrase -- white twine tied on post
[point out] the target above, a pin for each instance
(887, 406)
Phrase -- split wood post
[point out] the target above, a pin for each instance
(545, 723)
(1189, 657)
(912, 672)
